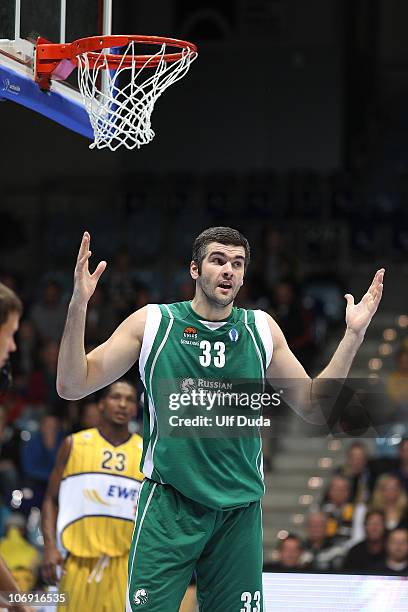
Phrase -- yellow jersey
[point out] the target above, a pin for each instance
(98, 495)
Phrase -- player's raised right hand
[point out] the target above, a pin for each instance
(84, 281)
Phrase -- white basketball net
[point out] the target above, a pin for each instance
(120, 104)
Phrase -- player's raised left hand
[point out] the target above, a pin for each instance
(85, 282)
(358, 316)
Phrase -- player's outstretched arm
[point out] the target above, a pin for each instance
(79, 374)
(358, 318)
(304, 394)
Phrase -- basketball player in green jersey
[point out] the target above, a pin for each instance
(199, 505)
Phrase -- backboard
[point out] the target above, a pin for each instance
(21, 22)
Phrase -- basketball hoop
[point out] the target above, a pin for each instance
(118, 93)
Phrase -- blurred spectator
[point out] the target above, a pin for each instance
(42, 384)
(357, 472)
(294, 319)
(390, 498)
(244, 298)
(120, 286)
(38, 456)
(320, 552)
(5, 512)
(279, 261)
(100, 318)
(362, 557)
(339, 510)
(9, 456)
(396, 554)
(88, 415)
(21, 557)
(397, 384)
(186, 290)
(391, 465)
(48, 314)
(401, 469)
(25, 359)
(14, 403)
(290, 552)
(142, 296)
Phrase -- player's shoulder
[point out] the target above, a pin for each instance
(137, 440)
(265, 315)
(173, 310)
(85, 435)
(278, 338)
(250, 315)
(136, 321)
(266, 326)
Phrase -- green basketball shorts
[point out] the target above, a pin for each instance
(174, 537)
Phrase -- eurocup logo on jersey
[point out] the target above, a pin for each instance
(140, 597)
(233, 334)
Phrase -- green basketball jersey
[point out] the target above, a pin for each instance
(181, 351)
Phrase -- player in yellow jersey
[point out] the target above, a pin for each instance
(90, 504)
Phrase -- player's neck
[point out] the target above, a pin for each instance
(114, 434)
(210, 311)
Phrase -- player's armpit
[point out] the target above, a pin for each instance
(118, 354)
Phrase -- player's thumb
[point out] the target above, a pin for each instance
(350, 299)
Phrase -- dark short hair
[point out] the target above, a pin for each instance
(389, 533)
(338, 476)
(100, 395)
(371, 513)
(9, 303)
(356, 444)
(223, 235)
(290, 536)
